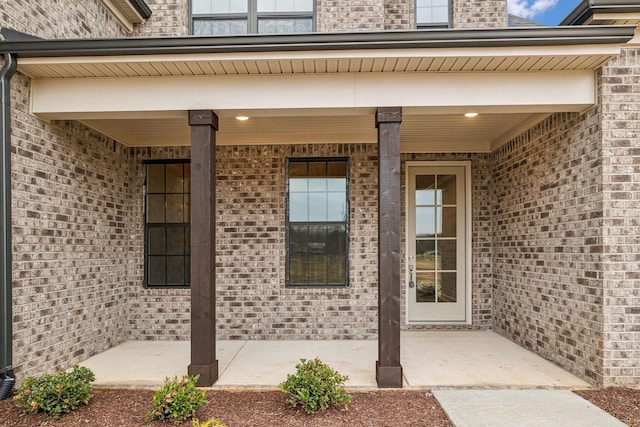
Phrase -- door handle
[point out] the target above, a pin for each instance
(411, 284)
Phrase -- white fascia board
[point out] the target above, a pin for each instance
(472, 52)
(506, 92)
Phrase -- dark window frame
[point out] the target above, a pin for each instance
(428, 25)
(253, 16)
(147, 226)
(346, 223)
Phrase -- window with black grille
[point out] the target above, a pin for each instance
(317, 222)
(166, 226)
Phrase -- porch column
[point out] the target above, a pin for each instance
(204, 125)
(388, 369)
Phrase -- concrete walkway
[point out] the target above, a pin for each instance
(479, 378)
(521, 408)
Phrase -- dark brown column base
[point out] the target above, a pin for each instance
(208, 373)
(388, 376)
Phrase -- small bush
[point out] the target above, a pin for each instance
(315, 386)
(177, 400)
(55, 394)
(211, 422)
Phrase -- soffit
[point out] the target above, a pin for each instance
(419, 132)
(554, 58)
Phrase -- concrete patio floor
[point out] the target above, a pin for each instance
(430, 359)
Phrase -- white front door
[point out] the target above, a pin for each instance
(437, 245)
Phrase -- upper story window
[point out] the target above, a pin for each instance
(432, 13)
(232, 17)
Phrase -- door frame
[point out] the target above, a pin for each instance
(466, 164)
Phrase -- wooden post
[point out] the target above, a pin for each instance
(204, 125)
(388, 368)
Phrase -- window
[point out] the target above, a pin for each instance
(432, 13)
(166, 226)
(317, 222)
(229, 17)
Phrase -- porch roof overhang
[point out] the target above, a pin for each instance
(321, 87)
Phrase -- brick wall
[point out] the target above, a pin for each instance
(70, 240)
(620, 97)
(479, 13)
(347, 15)
(168, 18)
(252, 300)
(52, 19)
(399, 14)
(547, 243)
(70, 214)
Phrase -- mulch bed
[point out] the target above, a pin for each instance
(125, 407)
(622, 403)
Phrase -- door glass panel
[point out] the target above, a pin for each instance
(447, 222)
(447, 254)
(426, 287)
(425, 222)
(425, 255)
(425, 190)
(447, 287)
(447, 185)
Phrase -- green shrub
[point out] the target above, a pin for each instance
(315, 386)
(211, 422)
(177, 400)
(55, 394)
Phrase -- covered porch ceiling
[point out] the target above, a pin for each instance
(321, 88)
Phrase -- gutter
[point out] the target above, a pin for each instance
(7, 378)
(142, 8)
(587, 8)
(434, 38)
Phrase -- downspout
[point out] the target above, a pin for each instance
(7, 378)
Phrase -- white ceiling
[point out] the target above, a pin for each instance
(419, 132)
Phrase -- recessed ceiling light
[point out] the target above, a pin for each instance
(470, 114)
(242, 118)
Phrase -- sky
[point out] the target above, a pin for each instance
(548, 12)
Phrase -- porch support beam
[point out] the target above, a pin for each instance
(388, 368)
(204, 124)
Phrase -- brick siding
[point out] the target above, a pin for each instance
(547, 243)
(479, 13)
(168, 18)
(70, 240)
(620, 97)
(51, 19)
